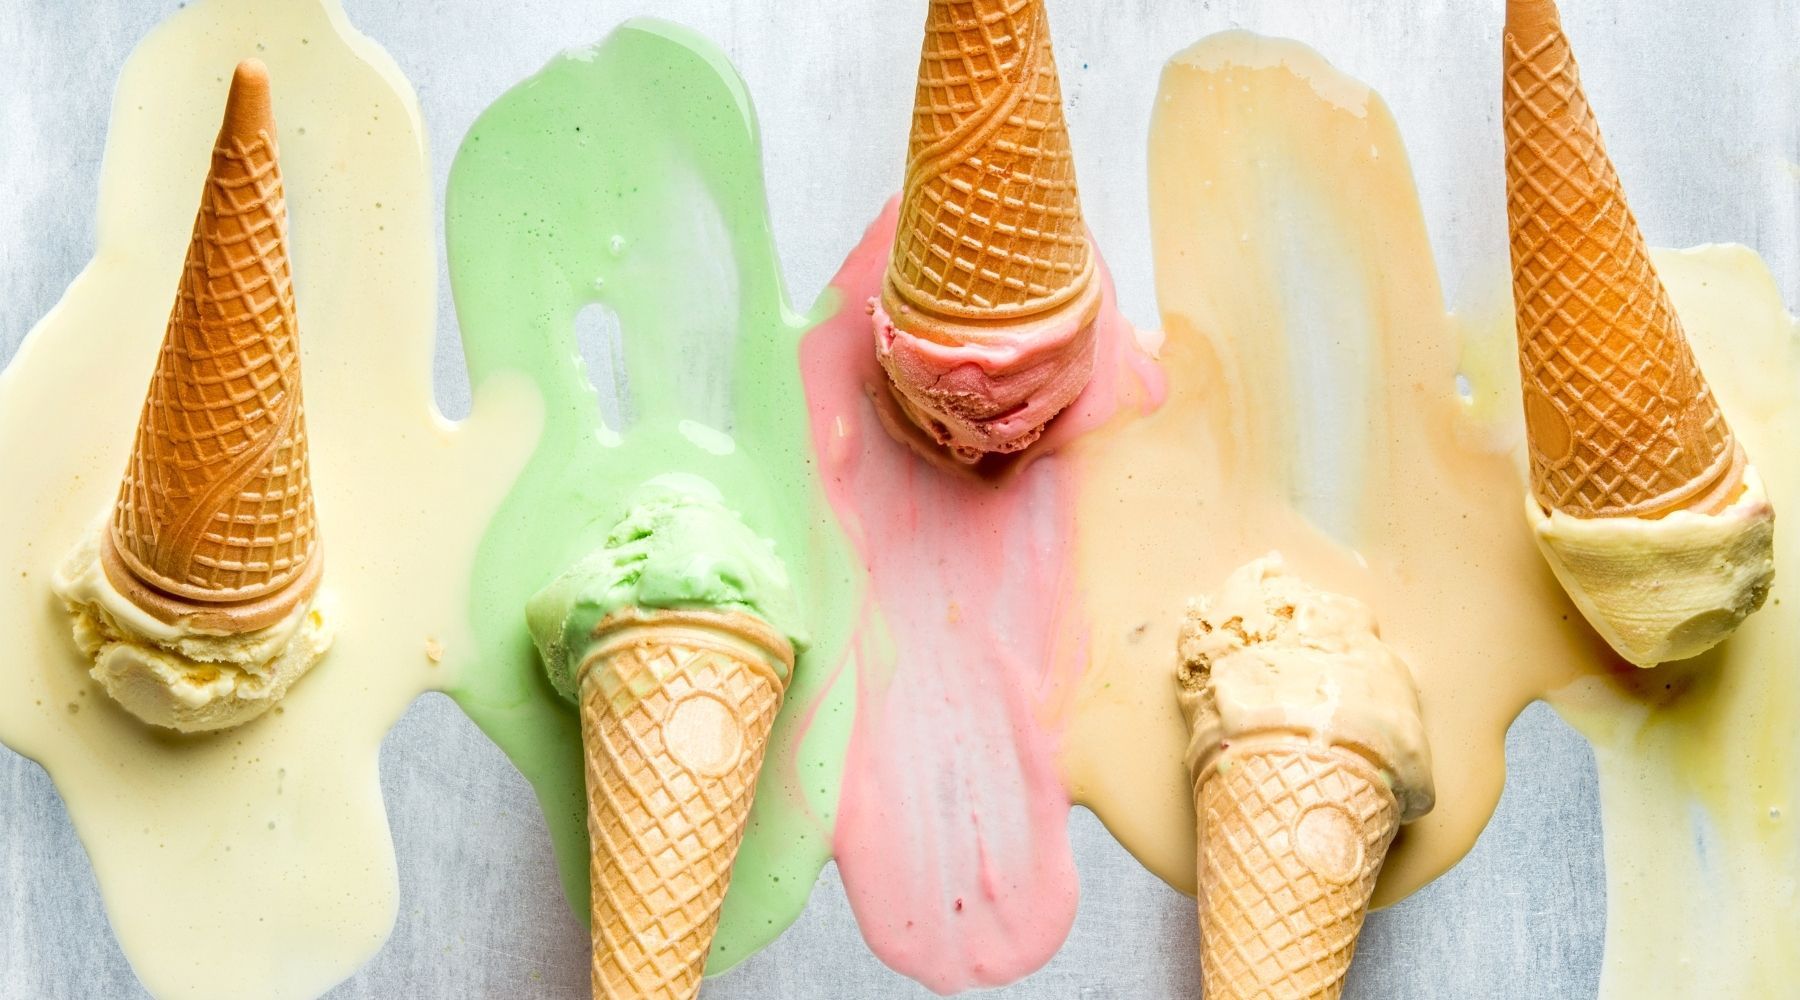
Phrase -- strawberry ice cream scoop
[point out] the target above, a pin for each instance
(985, 387)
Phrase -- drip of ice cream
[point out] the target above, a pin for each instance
(602, 179)
(1271, 654)
(182, 675)
(678, 548)
(258, 862)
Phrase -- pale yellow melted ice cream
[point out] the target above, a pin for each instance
(255, 862)
(1669, 588)
(1270, 653)
(1697, 783)
(179, 676)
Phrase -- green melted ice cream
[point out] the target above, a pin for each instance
(679, 547)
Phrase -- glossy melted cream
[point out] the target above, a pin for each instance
(1313, 381)
(1698, 783)
(257, 861)
(1312, 374)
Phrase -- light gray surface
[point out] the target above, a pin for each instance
(1701, 104)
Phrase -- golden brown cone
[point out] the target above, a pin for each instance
(1291, 838)
(1620, 420)
(676, 709)
(215, 515)
(990, 222)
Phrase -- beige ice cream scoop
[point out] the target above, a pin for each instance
(1307, 752)
(1623, 430)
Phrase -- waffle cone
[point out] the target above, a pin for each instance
(1619, 417)
(216, 508)
(990, 222)
(676, 708)
(1292, 836)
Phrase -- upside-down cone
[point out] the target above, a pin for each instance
(1619, 418)
(990, 222)
(216, 507)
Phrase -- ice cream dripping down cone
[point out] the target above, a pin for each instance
(676, 639)
(1643, 500)
(1307, 753)
(984, 322)
(215, 523)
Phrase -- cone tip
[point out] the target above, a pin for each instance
(247, 108)
(1532, 19)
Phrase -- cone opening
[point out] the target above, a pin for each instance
(218, 617)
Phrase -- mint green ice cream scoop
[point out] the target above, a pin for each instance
(679, 548)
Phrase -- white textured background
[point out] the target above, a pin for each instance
(1701, 106)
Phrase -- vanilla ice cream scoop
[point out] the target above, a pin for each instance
(1642, 496)
(1667, 588)
(185, 675)
(1271, 655)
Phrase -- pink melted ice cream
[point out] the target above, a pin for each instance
(952, 826)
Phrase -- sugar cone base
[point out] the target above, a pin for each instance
(234, 618)
(1292, 836)
(676, 710)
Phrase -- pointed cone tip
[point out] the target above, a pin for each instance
(247, 108)
(1532, 19)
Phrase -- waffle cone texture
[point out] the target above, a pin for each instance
(216, 506)
(990, 222)
(1291, 838)
(676, 710)
(1619, 418)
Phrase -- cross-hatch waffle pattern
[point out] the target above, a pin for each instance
(1620, 418)
(663, 837)
(1270, 925)
(217, 504)
(990, 222)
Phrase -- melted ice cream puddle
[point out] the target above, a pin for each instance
(269, 841)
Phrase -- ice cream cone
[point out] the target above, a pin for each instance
(676, 709)
(1619, 417)
(1292, 836)
(984, 323)
(215, 521)
(990, 222)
